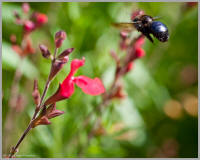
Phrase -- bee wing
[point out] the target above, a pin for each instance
(124, 26)
(157, 17)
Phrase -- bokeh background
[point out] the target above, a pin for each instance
(159, 116)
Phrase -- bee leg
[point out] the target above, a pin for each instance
(149, 37)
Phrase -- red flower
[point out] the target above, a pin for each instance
(66, 89)
(41, 18)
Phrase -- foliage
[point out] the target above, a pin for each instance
(158, 117)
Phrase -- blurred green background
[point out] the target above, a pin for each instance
(159, 116)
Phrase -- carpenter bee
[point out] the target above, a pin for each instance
(147, 25)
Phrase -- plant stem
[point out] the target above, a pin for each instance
(38, 108)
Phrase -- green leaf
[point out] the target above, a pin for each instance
(10, 61)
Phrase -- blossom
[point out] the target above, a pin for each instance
(66, 89)
(60, 36)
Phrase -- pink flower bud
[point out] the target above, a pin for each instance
(29, 26)
(44, 50)
(41, 18)
(60, 36)
(52, 112)
(25, 7)
(66, 52)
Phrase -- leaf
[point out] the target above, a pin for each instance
(10, 61)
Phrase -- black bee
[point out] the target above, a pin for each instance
(147, 25)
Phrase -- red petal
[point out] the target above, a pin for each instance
(64, 91)
(76, 64)
(67, 88)
(129, 66)
(139, 53)
(90, 86)
(139, 42)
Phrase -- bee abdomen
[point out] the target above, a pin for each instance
(160, 31)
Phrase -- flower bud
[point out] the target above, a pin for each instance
(65, 53)
(139, 53)
(36, 93)
(29, 26)
(44, 50)
(53, 112)
(25, 7)
(57, 66)
(40, 121)
(41, 18)
(60, 36)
